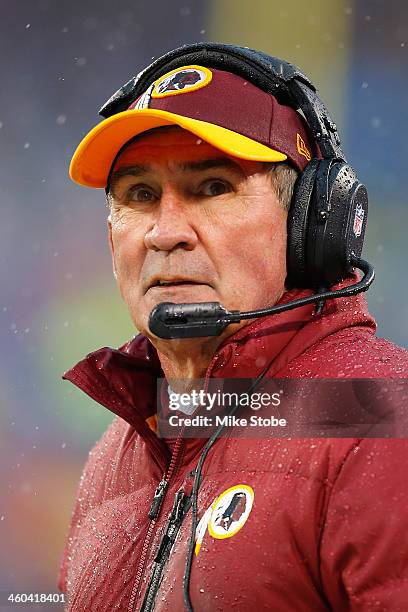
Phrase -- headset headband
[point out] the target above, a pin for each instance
(271, 74)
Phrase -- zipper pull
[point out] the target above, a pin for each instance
(173, 523)
(158, 499)
(188, 483)
(177, 510)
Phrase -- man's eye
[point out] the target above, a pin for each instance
(215, 187)
(141, 194)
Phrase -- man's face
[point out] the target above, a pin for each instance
(207, 225)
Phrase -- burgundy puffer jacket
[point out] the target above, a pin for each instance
(285, 524)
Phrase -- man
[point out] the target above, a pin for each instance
(198, 213)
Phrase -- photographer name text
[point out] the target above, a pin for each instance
(227, 421)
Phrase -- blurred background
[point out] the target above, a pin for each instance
(59, 62)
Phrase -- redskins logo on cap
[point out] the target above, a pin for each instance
(181, 80)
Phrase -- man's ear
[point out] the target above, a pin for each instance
(112, 248)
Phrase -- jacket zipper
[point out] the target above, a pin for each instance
(154, 512)
(155, 509)
(181, 505)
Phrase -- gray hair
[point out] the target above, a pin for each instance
(283, 177)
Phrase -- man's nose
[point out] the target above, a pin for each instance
(171, 228)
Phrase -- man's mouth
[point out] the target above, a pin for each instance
(172, 283)
(158, 283)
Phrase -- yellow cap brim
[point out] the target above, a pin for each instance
(93, 158)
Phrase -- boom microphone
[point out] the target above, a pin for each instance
(169, 321)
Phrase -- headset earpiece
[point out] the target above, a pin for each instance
(326, 224)
(341, 234)
(297, 226)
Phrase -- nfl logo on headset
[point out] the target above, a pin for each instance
(358, 221)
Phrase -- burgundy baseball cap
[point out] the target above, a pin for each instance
(219, 107)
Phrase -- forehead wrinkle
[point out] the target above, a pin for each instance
(209, 164)
(137, 170)
(133, 170)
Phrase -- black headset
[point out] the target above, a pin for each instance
(328, 212)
